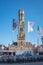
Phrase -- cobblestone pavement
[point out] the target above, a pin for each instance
(34, 63)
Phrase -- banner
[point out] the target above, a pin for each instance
(30, 26)
(15, 24)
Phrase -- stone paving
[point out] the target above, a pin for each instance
(33, 63)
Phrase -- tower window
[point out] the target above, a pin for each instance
(21, 29)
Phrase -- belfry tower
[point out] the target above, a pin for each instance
(21, 32)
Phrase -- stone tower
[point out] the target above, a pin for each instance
(21, 32)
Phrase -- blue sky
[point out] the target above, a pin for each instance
(9, 9)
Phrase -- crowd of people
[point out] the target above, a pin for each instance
(21, 58)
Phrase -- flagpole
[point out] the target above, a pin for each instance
(30, 29)
(13, 30)
(12, 36)
(38, 40)
(27, 36)
(28, 33)
(14, 25)
(38, 31)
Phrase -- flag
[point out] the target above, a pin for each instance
(42, 33)
(30, 26)
(39, 30)
(15, 23)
